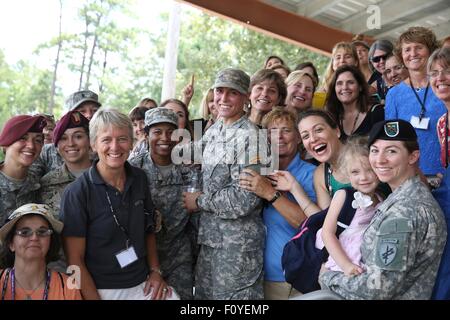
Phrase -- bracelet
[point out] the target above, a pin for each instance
(158, 270)
(304, 209)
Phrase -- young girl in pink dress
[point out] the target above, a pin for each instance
(345, 254)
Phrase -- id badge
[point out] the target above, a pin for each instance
(418, 124)
(126, 257)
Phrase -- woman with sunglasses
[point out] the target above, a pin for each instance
(378, 53)
(413, 100)
(30, 240)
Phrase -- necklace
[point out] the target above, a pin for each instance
(29, 295)
(354, 124)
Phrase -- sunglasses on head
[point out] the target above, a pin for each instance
(378, 58)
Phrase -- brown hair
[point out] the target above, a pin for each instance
(270, 74)
(334, 106)
(182, 105)
(138, 113)
(420, 35)
(7, 257)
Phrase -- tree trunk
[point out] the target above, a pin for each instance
(86, 36)
(55, 70)
(103, 71)
(91, 59)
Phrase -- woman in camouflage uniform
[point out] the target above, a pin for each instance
(166, 181)
(21, 140)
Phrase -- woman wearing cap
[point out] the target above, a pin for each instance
(267, 90)
(231, 233)
(413, 100)
(403, 244)
(165, 181)
(71, 138)
(348, 102)
(30, 240)
(21, 141)
(439, 74)
(109, 219)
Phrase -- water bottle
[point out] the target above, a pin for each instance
(194, 184)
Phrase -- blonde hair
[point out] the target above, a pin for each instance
(106, 117)
(280, 113)
(296, 76)
(329, 72)
(356, 146)
(206, 99)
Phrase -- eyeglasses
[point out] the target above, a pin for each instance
(27, 232)
(378, 58)
(435, 73)
(394, 68)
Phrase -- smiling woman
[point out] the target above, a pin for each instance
(31, 240)
(21, 140)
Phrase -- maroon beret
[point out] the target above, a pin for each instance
(72, 119)
(18, 126)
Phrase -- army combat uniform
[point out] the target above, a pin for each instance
(172, 241)
(14, 193)
(52, 187)
(401, 249)
(231, 231)
(48, 160)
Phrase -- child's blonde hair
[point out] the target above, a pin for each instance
(356, 146)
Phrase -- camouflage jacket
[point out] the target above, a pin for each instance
(401, 249)
(53, 185)
(14, 194)
(231, 216)
(48, 160)
(172, 241)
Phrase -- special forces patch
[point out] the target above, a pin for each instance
(391, 129)
(387, 252)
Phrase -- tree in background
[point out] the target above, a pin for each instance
(124, 64)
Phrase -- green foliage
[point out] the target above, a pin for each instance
(209, 44)
(125, 72)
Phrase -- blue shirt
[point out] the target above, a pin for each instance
(279, 231)
(401, 103)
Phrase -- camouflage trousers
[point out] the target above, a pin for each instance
(225, 274)
(182, 280)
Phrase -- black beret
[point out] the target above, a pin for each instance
(394, 129)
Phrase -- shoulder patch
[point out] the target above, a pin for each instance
(392, 241)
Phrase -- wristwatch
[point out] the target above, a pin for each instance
(275, 197)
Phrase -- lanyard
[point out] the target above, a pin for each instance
(117, 221)
(13, 285)
(422, 103)
(446, 139)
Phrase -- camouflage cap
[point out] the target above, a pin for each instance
(234, 79)
(79, 97)
(160, 115)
